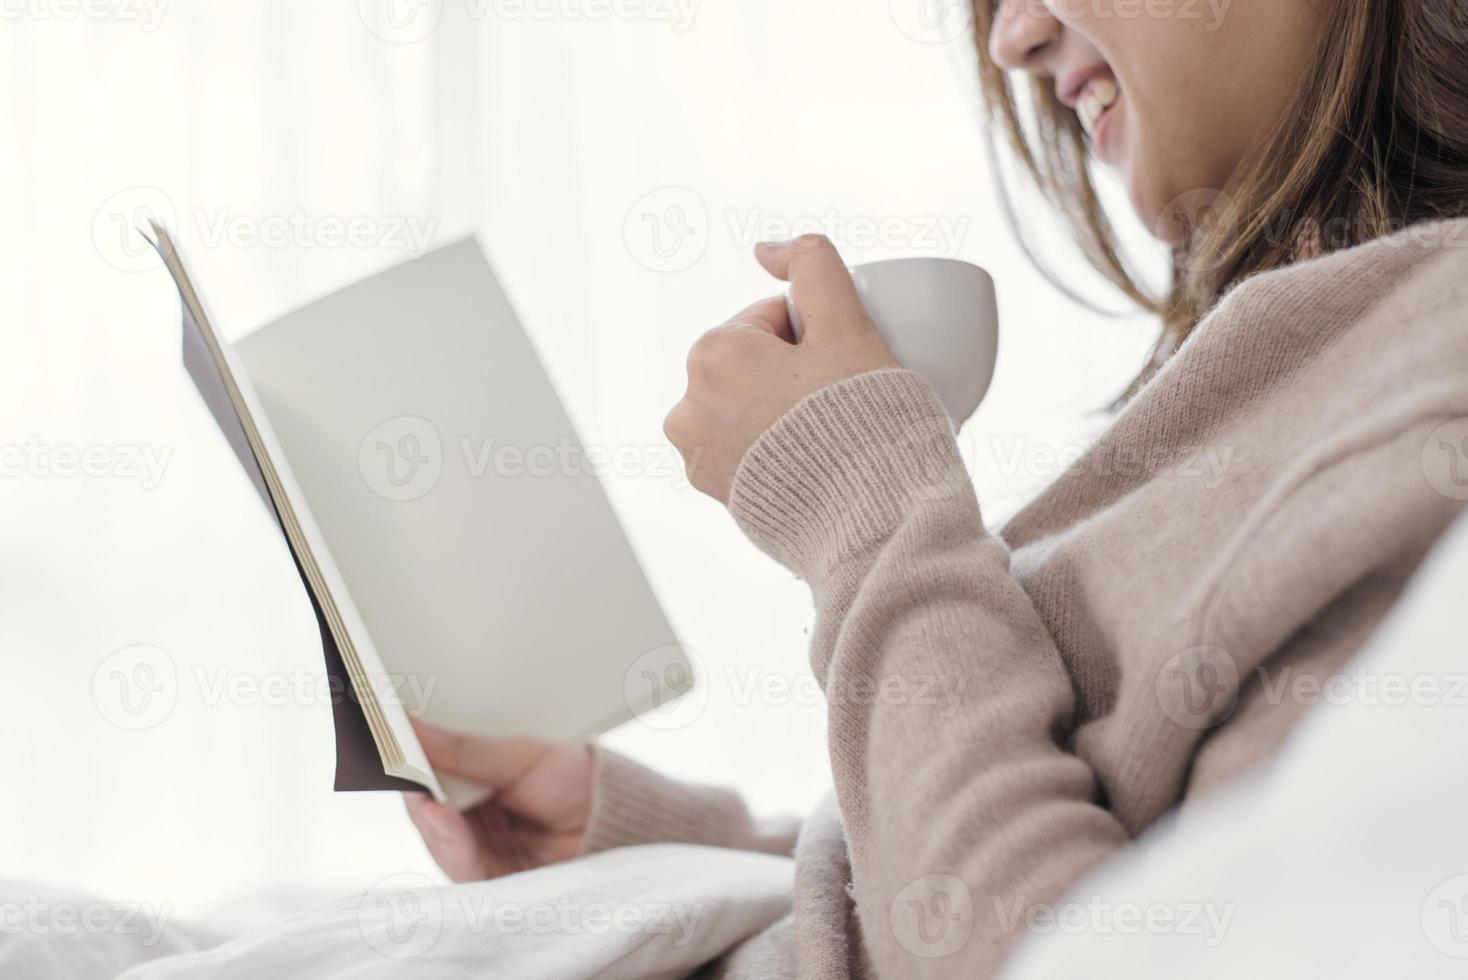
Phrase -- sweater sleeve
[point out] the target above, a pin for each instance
(632, 804)
(948, 701)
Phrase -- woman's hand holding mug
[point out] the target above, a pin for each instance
(746, 373)
(935, 316)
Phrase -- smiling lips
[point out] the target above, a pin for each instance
(1099, 95)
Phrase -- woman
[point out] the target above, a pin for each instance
(1136, 636)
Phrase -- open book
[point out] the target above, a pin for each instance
(487, 597)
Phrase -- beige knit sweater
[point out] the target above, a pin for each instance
(1148, 628)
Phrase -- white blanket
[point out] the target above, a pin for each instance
(658, 911)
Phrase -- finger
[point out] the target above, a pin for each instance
(448, 837)
(820, 283)
(769, 315)
(495, 762)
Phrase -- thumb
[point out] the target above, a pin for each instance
(820, 284)
(449, 838)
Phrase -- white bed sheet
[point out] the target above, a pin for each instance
(658, 911)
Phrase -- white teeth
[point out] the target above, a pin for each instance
(1098, 96)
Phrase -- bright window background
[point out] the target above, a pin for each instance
(618, 168)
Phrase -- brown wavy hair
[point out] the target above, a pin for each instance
(1376, 139)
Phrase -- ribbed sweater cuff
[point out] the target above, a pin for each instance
(632, 804)
(836, 474)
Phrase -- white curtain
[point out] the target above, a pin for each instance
(618, 161)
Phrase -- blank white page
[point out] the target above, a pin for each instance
(499, 584)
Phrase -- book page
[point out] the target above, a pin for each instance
(503, 598)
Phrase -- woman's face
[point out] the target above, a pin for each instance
(1174, 93)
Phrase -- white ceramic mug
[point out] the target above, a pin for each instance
(940, 319)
